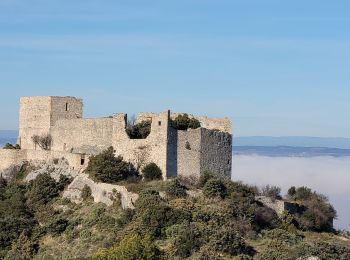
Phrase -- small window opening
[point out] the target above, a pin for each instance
(159, 123)
(82, 160)
(66, 106)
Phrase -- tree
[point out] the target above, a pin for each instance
(42, 190)
(272, 192)
(152, 172)
(44, 141)
(138, 130)
(21, 249)
(105, 167)
(141, 155)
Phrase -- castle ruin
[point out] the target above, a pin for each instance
(185, 153)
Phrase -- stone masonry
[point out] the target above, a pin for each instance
(178, 153)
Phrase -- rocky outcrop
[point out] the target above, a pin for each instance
(55, 167)
(101, 192)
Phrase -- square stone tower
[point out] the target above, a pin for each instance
(38, 114)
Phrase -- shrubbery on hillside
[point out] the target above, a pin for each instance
(151, 172)
(316, 212)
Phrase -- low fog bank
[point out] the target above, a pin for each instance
(327, 175)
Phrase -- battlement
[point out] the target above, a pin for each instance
(185, 153)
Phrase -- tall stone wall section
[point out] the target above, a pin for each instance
(38, 114)
(65, 108)
(189, 153)
(34, 119)
(216, 152)
(89, 136)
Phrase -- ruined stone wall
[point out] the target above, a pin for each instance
(151, 149)
(65, 108)
(221, 124)
(216, 152)
(189, 153)
(34, 119)
(12, 159)
(90, 136)
(9, 157)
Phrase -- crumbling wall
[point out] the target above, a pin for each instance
(220, 124)
(10, 162)
(155, 145)
(216, 152)
(89, 136)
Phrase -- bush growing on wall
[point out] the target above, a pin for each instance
(152, 172)
(140, 130)
(105, 167)
(183, 122)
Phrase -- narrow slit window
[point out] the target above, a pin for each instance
(159, 123)
(66, 106)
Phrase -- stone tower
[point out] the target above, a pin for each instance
(38, 114)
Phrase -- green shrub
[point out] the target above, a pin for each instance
(204, 178)
(140, 130)
(183, 122)
(148, 198)
(12, 147)
(315, 213)
(228, 240)
(86, 193)
(22, 248)
(214, 188)
(105, 167)
(130, 248)
(152, 172)
(185, 238)
(42, 190)
(57, 226)
(175, 189)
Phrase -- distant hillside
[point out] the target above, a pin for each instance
(296, 141)
(289, 151)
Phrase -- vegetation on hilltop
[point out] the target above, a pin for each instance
(217, 219)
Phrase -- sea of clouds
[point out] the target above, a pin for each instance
(327, 175)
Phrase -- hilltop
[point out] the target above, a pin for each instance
(213, 218)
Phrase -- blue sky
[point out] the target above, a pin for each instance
(274, 67)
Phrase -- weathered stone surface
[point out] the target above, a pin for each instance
(101, 192)
(279, 206)
(178, 153)
(55, 167)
